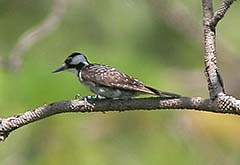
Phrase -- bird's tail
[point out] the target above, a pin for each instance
(163, 94)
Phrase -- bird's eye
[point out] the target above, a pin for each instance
(68, 60)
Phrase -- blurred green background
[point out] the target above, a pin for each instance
(156, 41)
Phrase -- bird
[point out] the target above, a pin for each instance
(106, 81)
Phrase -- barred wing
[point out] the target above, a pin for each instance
(108, 76)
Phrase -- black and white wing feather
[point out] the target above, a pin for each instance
(110, 77)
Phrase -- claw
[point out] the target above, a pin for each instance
(86, 100)
(79, 97)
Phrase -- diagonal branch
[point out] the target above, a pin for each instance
(219, 14)
(35, 34)
(7, 125)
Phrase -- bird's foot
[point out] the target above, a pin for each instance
(78, 97)
(87, 100)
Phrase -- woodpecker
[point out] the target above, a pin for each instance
(106, 81)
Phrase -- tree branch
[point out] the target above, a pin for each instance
(211, 71)
(215, 82)
(7, 125)
(35, 34)
(219, 102)
(219, 14)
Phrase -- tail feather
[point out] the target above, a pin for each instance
(163, 94)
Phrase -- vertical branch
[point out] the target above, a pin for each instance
(215, 85)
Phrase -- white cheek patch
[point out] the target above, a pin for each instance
(78, 59)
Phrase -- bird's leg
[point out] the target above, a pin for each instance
(91, 97)
(94, 97)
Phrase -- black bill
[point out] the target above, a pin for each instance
(61, 68)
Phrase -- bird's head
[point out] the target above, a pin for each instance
(73, 63)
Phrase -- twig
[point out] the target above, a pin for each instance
(35, 34)
(219, 14)
(7, 125)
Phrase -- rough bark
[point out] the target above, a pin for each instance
(7, 125)
(219, 101)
